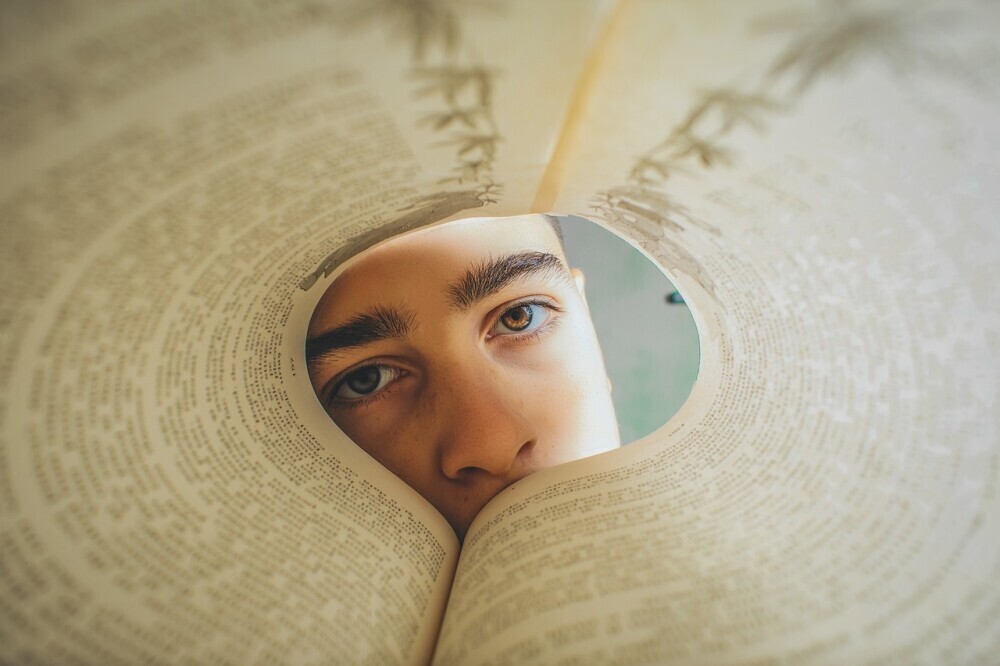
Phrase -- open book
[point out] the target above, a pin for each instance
(182, 179)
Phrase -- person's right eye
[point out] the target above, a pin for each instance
(361, 384)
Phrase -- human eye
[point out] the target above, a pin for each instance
(523, 318)
(363, 384)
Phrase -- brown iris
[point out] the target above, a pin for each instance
(517, 318)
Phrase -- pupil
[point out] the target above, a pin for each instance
(518, 318)
(364, 380)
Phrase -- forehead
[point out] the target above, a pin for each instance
(424, 262)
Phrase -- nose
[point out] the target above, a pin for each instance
(486, 430)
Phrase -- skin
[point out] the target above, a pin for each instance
(472, 389)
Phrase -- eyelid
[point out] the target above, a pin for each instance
(329, 390)
(541, 301)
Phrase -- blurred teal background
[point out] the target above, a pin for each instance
(650, 345)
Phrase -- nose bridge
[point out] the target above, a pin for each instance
(485, 426)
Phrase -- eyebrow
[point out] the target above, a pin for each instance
(379, 323)
(484, 279)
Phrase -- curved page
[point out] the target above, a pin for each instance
(181, 180)
(820, 182)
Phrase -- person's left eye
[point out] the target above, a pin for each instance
(522, 318)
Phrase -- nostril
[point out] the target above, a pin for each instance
(467, 462)
(525, 449)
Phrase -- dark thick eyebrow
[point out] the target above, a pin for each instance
(490, 276)
(380, 323)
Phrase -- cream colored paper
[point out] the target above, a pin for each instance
(180, 181)
(820, 182)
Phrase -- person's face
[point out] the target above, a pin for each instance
(463, 358)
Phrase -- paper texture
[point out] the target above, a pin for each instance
(820, 184)
(175, 176)
(182, 180)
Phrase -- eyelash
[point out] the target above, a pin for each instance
(357, 403)
(535, 333)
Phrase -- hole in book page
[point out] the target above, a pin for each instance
(466, 356)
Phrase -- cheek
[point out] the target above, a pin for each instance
(576, 355)
(369, 425)
(402, 447)
(569, 398)
(565, 395)
(376, 430)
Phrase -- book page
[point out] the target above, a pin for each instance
(819, 181)
(180, 182)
